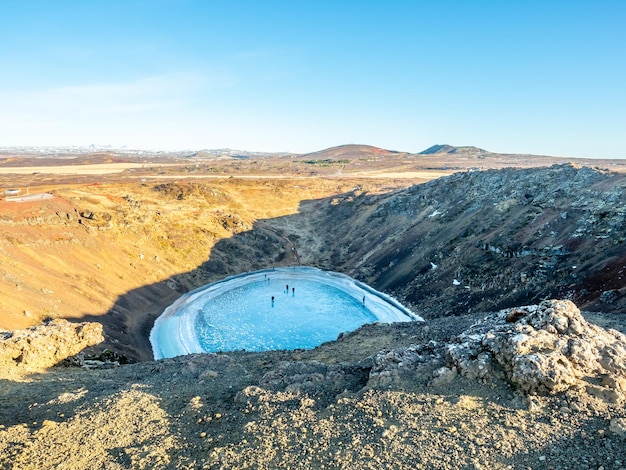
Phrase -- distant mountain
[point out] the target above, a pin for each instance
(349, 152)
(449, 149)
(438, 149)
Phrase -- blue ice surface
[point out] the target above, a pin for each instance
(307, 315)
(238, 313)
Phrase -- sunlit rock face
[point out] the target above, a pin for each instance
(545, 348)
(45, 345)
(285, 308)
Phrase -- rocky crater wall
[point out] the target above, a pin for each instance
(482, 241)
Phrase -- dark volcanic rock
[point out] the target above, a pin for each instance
(483, 241)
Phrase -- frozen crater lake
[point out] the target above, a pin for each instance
(282, 308)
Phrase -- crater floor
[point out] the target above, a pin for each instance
(282, 308)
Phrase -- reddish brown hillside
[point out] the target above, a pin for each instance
(350, 152)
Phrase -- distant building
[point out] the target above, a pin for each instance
(12, 192)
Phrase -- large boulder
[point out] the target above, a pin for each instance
(45, 345)
(546, 348)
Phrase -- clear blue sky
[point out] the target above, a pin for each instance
(534, 76)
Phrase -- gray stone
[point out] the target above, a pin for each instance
(443, 376)
(617, 426)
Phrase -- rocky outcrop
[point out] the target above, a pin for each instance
(546, 348)
(47, 344)
(322, 381)
(540, 349)
(414, 363)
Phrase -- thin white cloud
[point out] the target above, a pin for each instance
(125, 97)
(99, 109)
